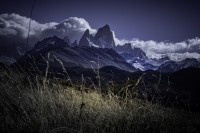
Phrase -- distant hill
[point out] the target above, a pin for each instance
(172, 66)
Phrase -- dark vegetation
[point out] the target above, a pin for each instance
(35, 97)
(104, 100)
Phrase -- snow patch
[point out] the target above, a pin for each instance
(138, 66)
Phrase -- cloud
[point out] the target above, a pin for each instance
(14, 25)
(72, 27)
(182, 56)
(15, 28)
(175, 51)
(19, 25)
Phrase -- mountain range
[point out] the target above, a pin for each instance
(92, 51)
(98, 54)
(60, 53)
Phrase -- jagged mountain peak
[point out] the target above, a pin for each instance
(50, 43)
(104, 37)
(87, 31)
(128, 45)
(84, 41)
(127, 48)
(139, 52)
(81, 56)
(105, 30)
(106, 27)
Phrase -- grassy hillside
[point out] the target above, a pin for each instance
(36, 103)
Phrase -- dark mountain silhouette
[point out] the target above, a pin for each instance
(85, 39)
(172, 66)
(10, 51)
(86, 57)
(126, 48)
(104, 37)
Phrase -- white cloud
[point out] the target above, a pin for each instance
(72, 27)
(14, 25)
(182, 56)
(19, 24)
(175, 51)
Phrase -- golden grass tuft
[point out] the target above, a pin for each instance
(29, 105)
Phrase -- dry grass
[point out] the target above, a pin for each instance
(28, 104)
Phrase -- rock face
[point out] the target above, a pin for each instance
(91, 57)
(104, 37)
(135, 56)
(81, 56)
(100, 42)
(85, 39)
(126, 48)
(48, 44)
(37, 54)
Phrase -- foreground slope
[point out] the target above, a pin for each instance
(32, 103)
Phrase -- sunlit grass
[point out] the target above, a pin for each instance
(29, 104)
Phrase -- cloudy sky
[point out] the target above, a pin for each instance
(159, 20)
(159, 28)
